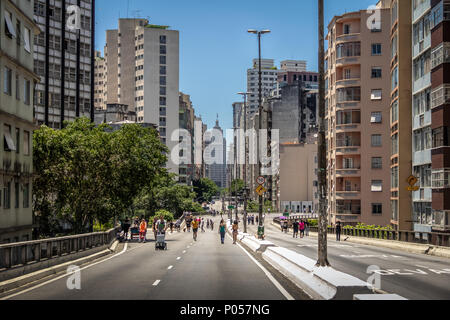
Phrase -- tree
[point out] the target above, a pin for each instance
(237, 186)
(85, 173)
(205, 189)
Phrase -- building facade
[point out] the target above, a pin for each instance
(142, 62)
(269, 80)
(187, 120)
(17, 80)
(100, 101)
(64, 60)
(216, 171)
(357, 118)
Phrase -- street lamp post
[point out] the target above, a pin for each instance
(235, 176)
(259, 33)
(245, 94)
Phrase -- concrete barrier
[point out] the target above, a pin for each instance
(257, 245)
(321, 283)
(378, 297)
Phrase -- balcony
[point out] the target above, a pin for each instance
(347, 195)
(354, 82)
(348, 61)
(353, 172)
(352, 127)
(348, 37)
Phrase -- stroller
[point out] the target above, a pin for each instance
(161, 243)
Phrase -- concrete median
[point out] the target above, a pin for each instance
(321, 283)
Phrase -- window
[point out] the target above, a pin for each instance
(17, 87)
(26, 143)
(7, 78)
(394, 112)
(17, 140)
(349, 94)
(26, 196)
(376, 72)
(7, 195)
(16, 195)
(349, 49)
(8, 141)
(162, 70)
(377, 186)
(162, 101)
(162, 59)
(376, 49)
(9, 27)
(377, 163)
(377, 208)
(162, 80)
(346, 29)
(441, 179)
(26, 39)
(162, 91)
(162, 39)
(376, 140)
(376, 94)
(162, 50)
(376, 117)
(26, 92)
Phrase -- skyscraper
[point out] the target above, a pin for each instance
(269, 81)
(64, 60)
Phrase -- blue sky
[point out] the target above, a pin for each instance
(215, 48)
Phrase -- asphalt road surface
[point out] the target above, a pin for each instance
(188, 270)
(413, 276)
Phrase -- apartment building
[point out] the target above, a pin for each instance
(269, 80)
(100, 101)
(401, 114)
(440, 114)
(142, 67)
(187, 119)
(64, 60)
(17, 80)
(357, 118)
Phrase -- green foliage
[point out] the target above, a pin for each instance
(362, 226)
(102, 227)
(313, 222)
(84, 173)
(205, 189)
(253, 206)
(168, 216)
(237, 186)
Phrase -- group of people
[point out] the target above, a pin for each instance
(198, 223)
(299, 227)
(159, 225)
(251, 219)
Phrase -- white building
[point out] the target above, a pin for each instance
(269, 81)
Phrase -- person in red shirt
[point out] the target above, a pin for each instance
(142, 231)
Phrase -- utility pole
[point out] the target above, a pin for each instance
(236, 176)
(322, 157)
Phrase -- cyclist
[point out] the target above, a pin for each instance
(195, 225)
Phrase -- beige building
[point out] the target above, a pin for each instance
(100, 98)
(298, 178)
(357, 115)
(401, 113)
(17, 80)
(142, 71)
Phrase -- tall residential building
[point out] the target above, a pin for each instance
(421, 114)
(357, 116)
(142, 62)
(100, 82)
(269, 80)
(17, 81)
(401, 114)
(440, 113)
(64, 60)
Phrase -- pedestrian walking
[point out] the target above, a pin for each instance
(307, 228)
(257, 219)
(207, 224)
(142, 231)
(126, 227)
(222, 230)
(212, 225)
(171, 226)
(302, 229)
(295, 227)
(338, 231)
(203, 225)
(235, 231)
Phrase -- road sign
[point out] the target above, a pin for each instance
(231, 207)
(260, 180)
(412, 180)
(261, 190)
(413, 188)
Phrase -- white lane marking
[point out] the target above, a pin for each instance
(178, 258)
(170, 267)
(66, 275)
(156, 283)
(184, 251)
(267, 273)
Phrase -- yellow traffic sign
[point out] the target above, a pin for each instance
(412, 180)
(413, 188)
(261, 190)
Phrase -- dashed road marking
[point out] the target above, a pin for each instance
(170, 267)
(178, 258)
(156, 283)
(184, 251)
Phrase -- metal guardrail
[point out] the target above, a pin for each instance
(29, 252)
(431, 238)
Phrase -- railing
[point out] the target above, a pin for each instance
(30, 252)
(431, 238)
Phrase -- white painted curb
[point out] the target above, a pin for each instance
(321, 283)
(378, 297)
